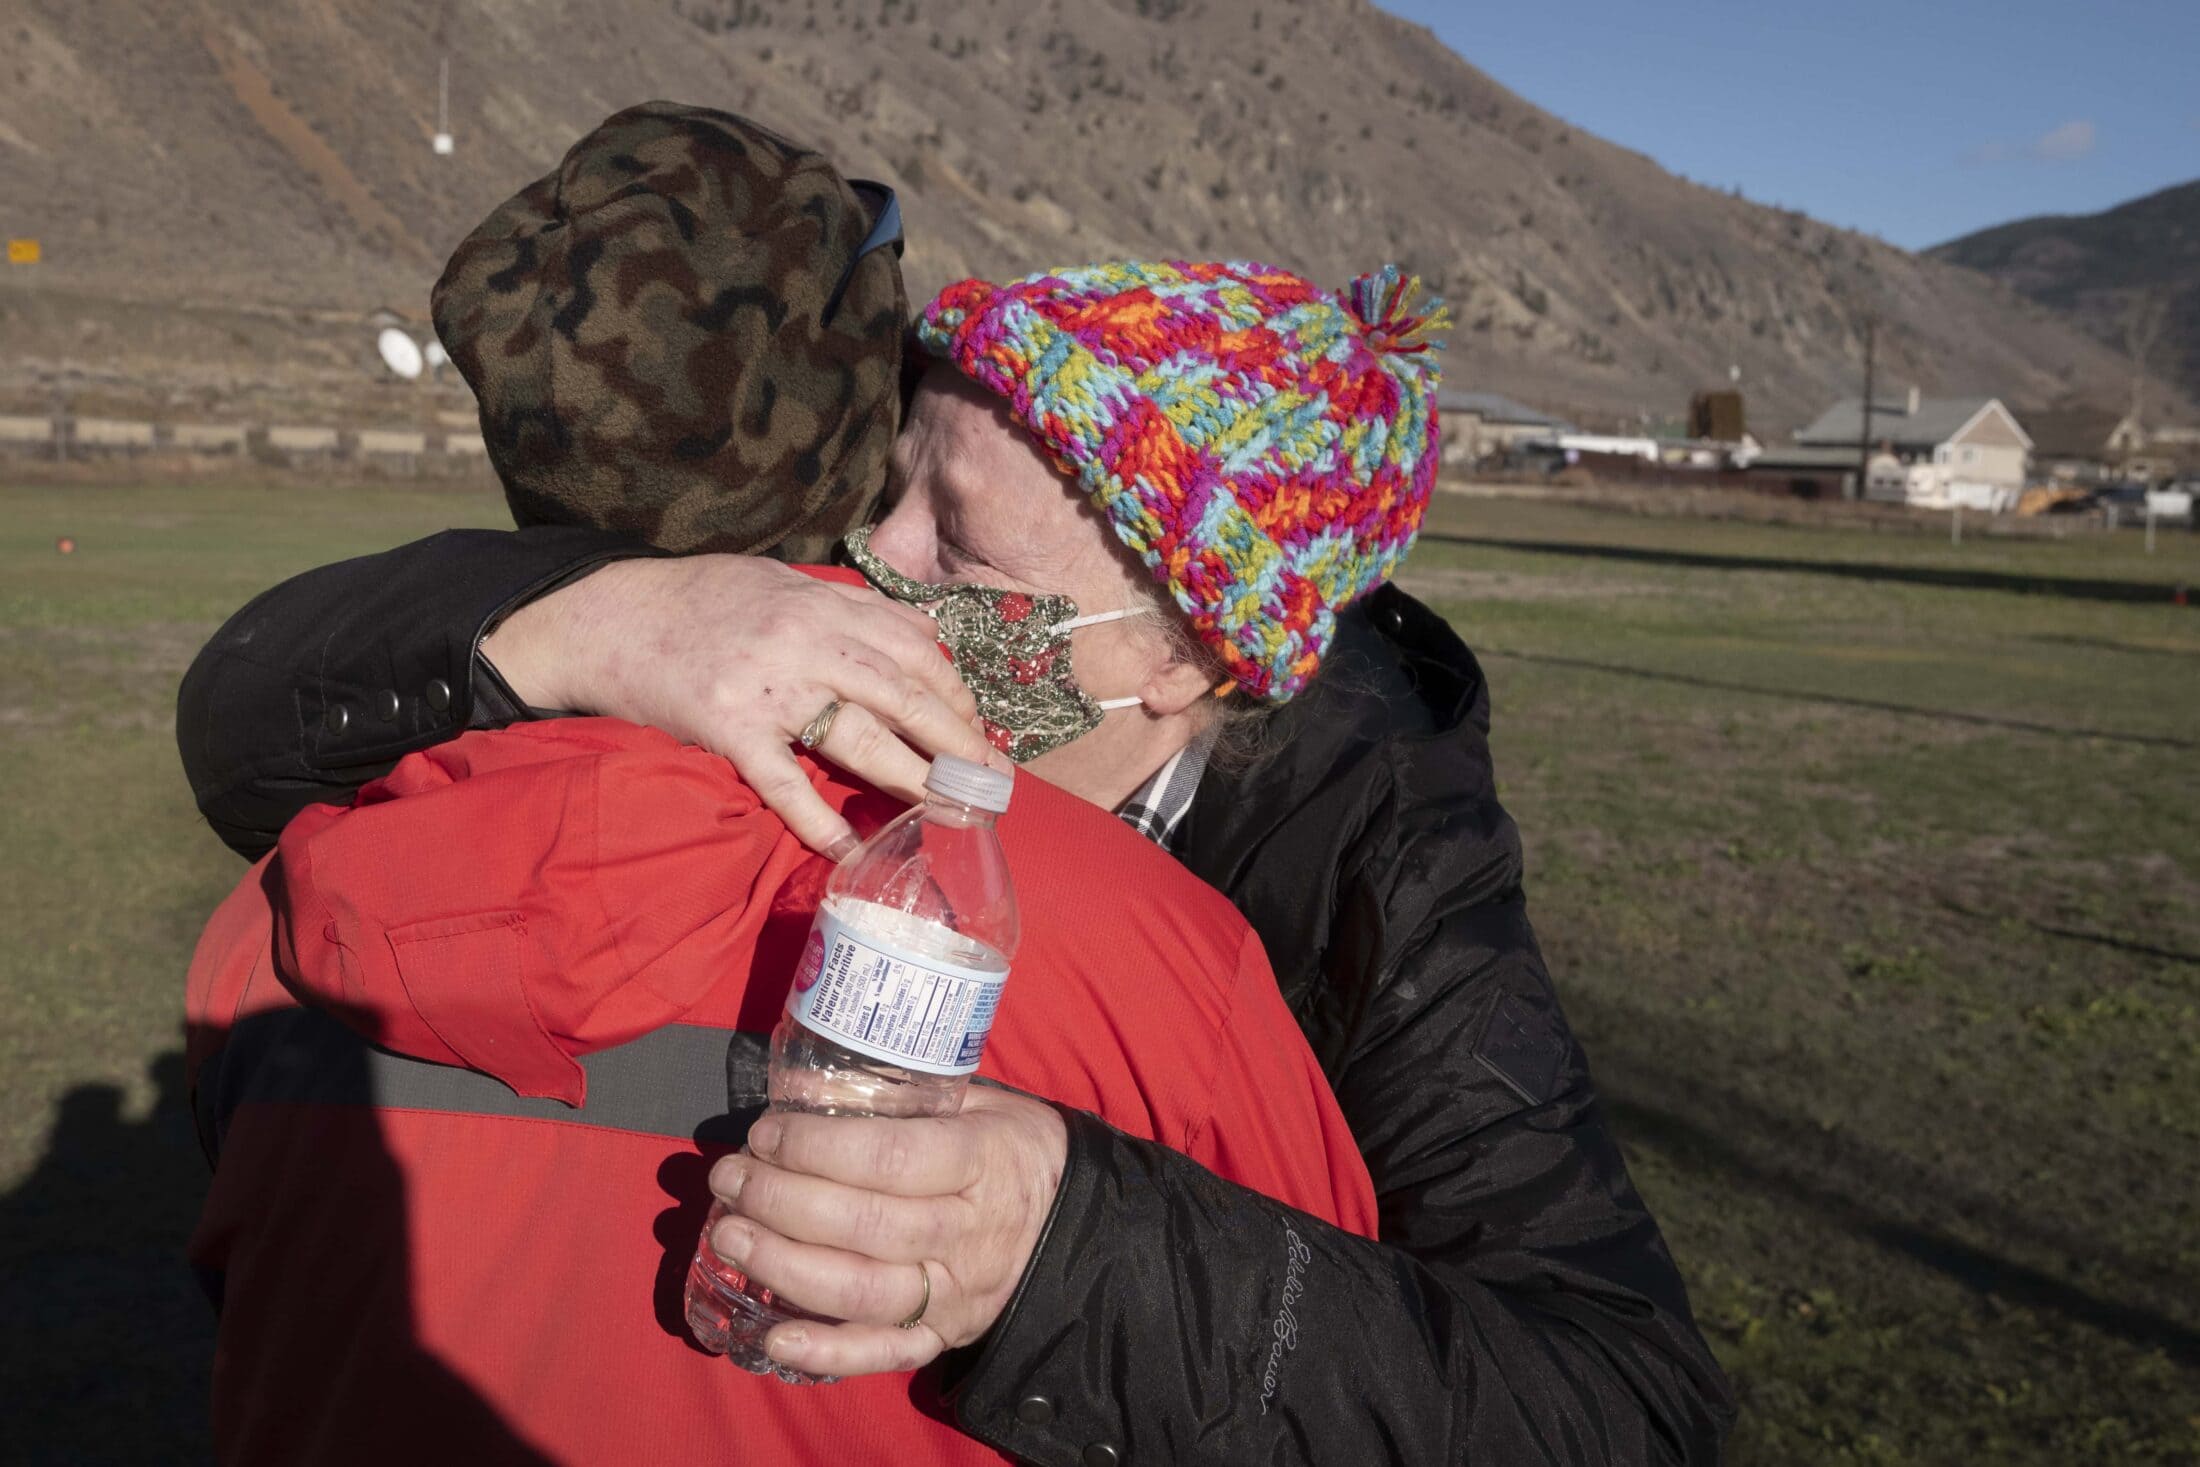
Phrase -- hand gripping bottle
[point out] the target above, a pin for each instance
(890, 1007)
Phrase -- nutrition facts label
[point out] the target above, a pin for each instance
(921, 1013)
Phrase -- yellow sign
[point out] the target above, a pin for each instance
(22, 252)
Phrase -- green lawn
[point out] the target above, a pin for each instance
(1877, 903)
(106, 873)
(1867, 867)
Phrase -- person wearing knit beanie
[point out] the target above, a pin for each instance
(1255, 456)
(1266, 447)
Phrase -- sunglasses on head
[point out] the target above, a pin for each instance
(885, 230)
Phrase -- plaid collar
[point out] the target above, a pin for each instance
(1156, 809)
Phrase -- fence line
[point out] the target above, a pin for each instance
(65, 436)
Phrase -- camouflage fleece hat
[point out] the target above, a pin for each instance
(666, 338)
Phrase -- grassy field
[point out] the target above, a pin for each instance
(1876, 898)
(1867, 865)
(106, 873)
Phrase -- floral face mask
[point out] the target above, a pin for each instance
(1011, 648)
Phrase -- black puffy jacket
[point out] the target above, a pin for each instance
(1520, 1307)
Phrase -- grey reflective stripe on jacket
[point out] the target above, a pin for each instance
(684, 1081)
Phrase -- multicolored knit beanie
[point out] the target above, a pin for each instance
(1267, 448)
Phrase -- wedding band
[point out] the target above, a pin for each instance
(813, 733)
(918, 1313)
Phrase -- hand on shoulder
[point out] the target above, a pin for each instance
(739, 654)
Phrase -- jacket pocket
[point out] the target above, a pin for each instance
(466, 978)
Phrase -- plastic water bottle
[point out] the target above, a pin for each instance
(890, 1008)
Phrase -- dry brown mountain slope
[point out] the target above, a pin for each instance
(214, 154)
(2130, 275)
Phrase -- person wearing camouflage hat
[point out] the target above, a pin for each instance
(547, 1314)
(687, 306)
(690, 335)
(1522, 1306)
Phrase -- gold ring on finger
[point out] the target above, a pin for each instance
(813, 733)
(923, 1304)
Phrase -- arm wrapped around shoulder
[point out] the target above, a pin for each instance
(286, 704)
(514, 898)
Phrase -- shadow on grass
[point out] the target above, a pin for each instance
(2074, 934)
(1839, 700)
(1834, 1193)
(109, 1336)
(2069, 587)
(2108, 644)
(109, 1341)
(1986, 1273)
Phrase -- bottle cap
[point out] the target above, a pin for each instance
(965, 783)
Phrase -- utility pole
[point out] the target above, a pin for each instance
(439, 187)
(443, 109)
(1864, 429)
(2142, 328)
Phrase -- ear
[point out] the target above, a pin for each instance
(1176, 685)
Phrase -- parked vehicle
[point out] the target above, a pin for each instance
(2173, 502)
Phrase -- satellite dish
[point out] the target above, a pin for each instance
(437, 356)
(400, 353)
(443, 145)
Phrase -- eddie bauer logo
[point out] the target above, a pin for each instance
(1286, 1328)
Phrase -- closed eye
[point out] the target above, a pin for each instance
(956, 558)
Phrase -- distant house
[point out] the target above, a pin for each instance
(2152, 452)
(1932, 451)
(2078, 443)
(1806, 473)
(1480, 426)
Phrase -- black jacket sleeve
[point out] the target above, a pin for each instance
(1520, 1306)
(324, 682)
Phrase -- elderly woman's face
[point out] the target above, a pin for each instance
(974, 500)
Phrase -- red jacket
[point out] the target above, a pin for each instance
(418, 1263)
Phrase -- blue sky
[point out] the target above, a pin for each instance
(1916, 122)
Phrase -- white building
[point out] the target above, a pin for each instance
(1479, 426)
(1610, 445)
(1933, 452)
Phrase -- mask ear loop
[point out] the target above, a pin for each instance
(1105, 705)
(1097, 618)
